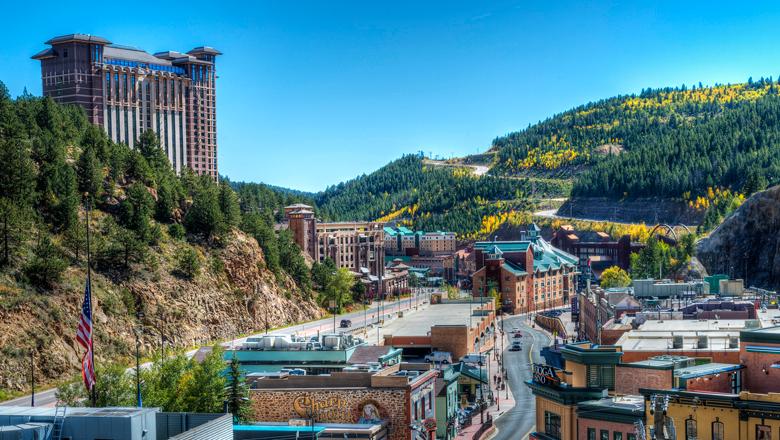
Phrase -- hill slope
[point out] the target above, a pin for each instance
(662, 143)
(432, 197)
(163, 244)
(747, 244)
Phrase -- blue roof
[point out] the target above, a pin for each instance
(514, 268)
(705, 370)
(278, 428)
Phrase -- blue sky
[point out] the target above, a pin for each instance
(313, 93)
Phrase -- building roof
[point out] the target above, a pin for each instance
(768, 334)
(420, 322)
(204, 50)
(369, 353)
(514, 268)
(45, 54)
(86, 38)
(503, 246)
(129, 53)
(705, 370)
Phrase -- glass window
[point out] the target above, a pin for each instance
(690, 429)
(717, 430)
(604, 434)
(763, 432)
(617, 435)
(591, 433)
(630, 436)
(552, 424)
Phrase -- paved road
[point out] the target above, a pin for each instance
(359, 320)
(520, 420)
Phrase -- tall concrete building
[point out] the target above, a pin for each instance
(127, 91)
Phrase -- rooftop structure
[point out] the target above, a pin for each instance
(318, 355)
(457, 327)
(401, 240)
(121, 423)
(128, 91)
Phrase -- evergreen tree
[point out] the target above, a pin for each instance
(136, 211)
(89, 174)
(237, 392)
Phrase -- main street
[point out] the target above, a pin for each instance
(360, 319)
(520, 420)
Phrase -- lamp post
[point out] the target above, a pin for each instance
(32, 377)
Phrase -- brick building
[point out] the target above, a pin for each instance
(587, 244)
(403, 241)
(457, 327)
(128, 91)
(529, 274)
(352, 245)
(402, 396)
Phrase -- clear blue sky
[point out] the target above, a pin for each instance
(313, 93)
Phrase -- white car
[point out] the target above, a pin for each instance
(439, 357)
(474, 358)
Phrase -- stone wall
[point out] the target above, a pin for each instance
(345, 405)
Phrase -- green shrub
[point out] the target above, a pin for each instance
(187, 262)
(177, 231)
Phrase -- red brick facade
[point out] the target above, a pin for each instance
(629, 379)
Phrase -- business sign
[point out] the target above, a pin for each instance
(575, 306)
(328, 408)
(546, 375)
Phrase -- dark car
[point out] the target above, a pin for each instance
(518, 335)
(345, 323)
(515, 347)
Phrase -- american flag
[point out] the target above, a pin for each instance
(84, 337)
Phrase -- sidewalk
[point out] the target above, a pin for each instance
(503, 400)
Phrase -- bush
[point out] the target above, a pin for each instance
(177, 231)
(187, 262)
(46, 267)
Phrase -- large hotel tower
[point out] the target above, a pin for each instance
(127, 91)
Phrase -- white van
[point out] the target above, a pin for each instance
(439, 357)
(474, 358)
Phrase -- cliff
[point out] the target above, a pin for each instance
(747, 244)
(227, 298)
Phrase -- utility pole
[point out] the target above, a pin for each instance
(32, 377)
(137, 331)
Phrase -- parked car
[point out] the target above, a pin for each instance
(345, 323)
(518, 335)
(439, 357)
(516, 347)
(474, 358)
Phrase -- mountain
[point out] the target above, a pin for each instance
(672, 142)
(199, 263)
(747, 244)
(433, 195)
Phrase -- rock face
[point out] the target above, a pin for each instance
(747, 244)
(232, 295)
(642, 210)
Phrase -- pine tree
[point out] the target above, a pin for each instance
(237, 392)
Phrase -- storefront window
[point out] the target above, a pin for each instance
(552, 424)
(763, 432)
(690, 429)
(717, 430)
(604, 435)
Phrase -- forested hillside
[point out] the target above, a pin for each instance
(166, 245)
(431, 197)
(676, 143)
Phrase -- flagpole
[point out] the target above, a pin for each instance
(89, 286)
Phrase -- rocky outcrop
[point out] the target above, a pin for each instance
(747, 244)
(232, 295)
(643, 210)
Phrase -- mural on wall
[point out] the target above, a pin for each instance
(369, 412)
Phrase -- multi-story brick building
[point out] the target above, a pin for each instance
(352, 245)
(595, 250)
(528, 274)
(128, 91)
(403, 241)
